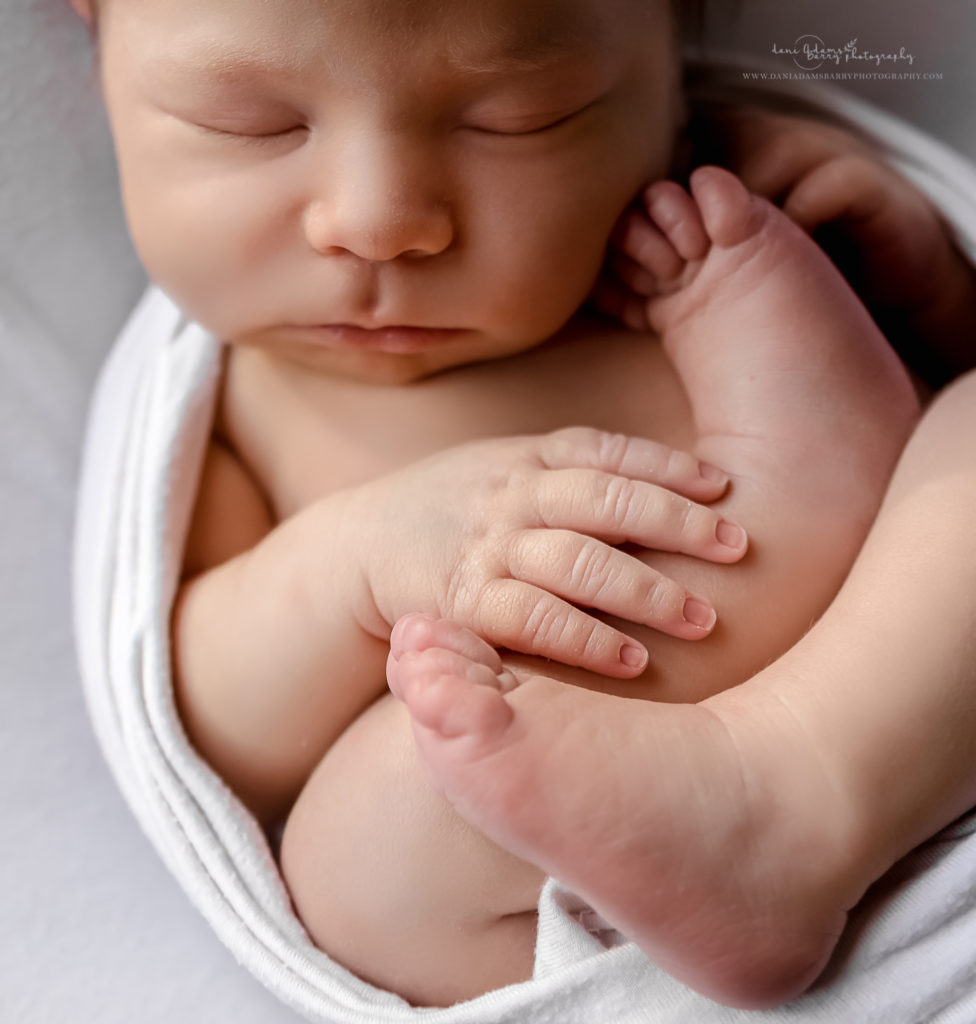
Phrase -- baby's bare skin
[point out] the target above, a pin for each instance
(445, 171)
(533, 771)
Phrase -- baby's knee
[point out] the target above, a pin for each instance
(391, 883)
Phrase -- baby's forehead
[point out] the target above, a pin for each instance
(293, 35)
(540, 23)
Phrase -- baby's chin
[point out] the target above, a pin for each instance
(381, 364)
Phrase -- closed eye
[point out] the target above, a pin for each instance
(528, 126)
(249, 136)
(537, 129)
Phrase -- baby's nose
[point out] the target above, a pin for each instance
(380, 198)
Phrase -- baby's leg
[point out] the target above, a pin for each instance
(720, 845)
(771, 344)
(391, 883)
(730, 838)
(675, 821)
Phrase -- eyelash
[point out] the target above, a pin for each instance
(267, 138)
(256, 139)
(541, 129)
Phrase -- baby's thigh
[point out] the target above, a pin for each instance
(389, 881)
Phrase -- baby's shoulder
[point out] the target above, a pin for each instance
(230, 515)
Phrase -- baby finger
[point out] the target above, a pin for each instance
(528, 619)
(636, 458)
(617, 509)
(595, 575)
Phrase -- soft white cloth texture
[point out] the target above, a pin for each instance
(910, 955)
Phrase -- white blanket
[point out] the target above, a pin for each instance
(910, 954)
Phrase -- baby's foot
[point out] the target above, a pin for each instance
(724, 858)
(769, 340)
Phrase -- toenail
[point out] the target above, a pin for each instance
(507, 682)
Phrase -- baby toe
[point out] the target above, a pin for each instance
(677, 219)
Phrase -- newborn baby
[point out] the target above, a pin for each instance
(430, 468)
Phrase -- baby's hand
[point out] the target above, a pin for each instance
(514, 537)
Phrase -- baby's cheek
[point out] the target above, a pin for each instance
(189, 260)
(545, 284)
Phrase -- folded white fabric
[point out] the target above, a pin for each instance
(910, 956)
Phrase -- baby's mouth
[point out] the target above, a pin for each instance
(395, 338)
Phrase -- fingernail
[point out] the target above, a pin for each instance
(633, 656)
(730, 534)
(698, 613)
(711, 473)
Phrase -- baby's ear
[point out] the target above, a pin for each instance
(84, 8)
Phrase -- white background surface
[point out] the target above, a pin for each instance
(94, 929)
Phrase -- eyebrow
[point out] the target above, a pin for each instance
(229, 64)
(522, 58)
(539, 48)
(504, 56)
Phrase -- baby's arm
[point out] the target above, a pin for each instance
(250, 683)
(281, 631)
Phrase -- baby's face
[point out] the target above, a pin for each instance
(384, 188)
